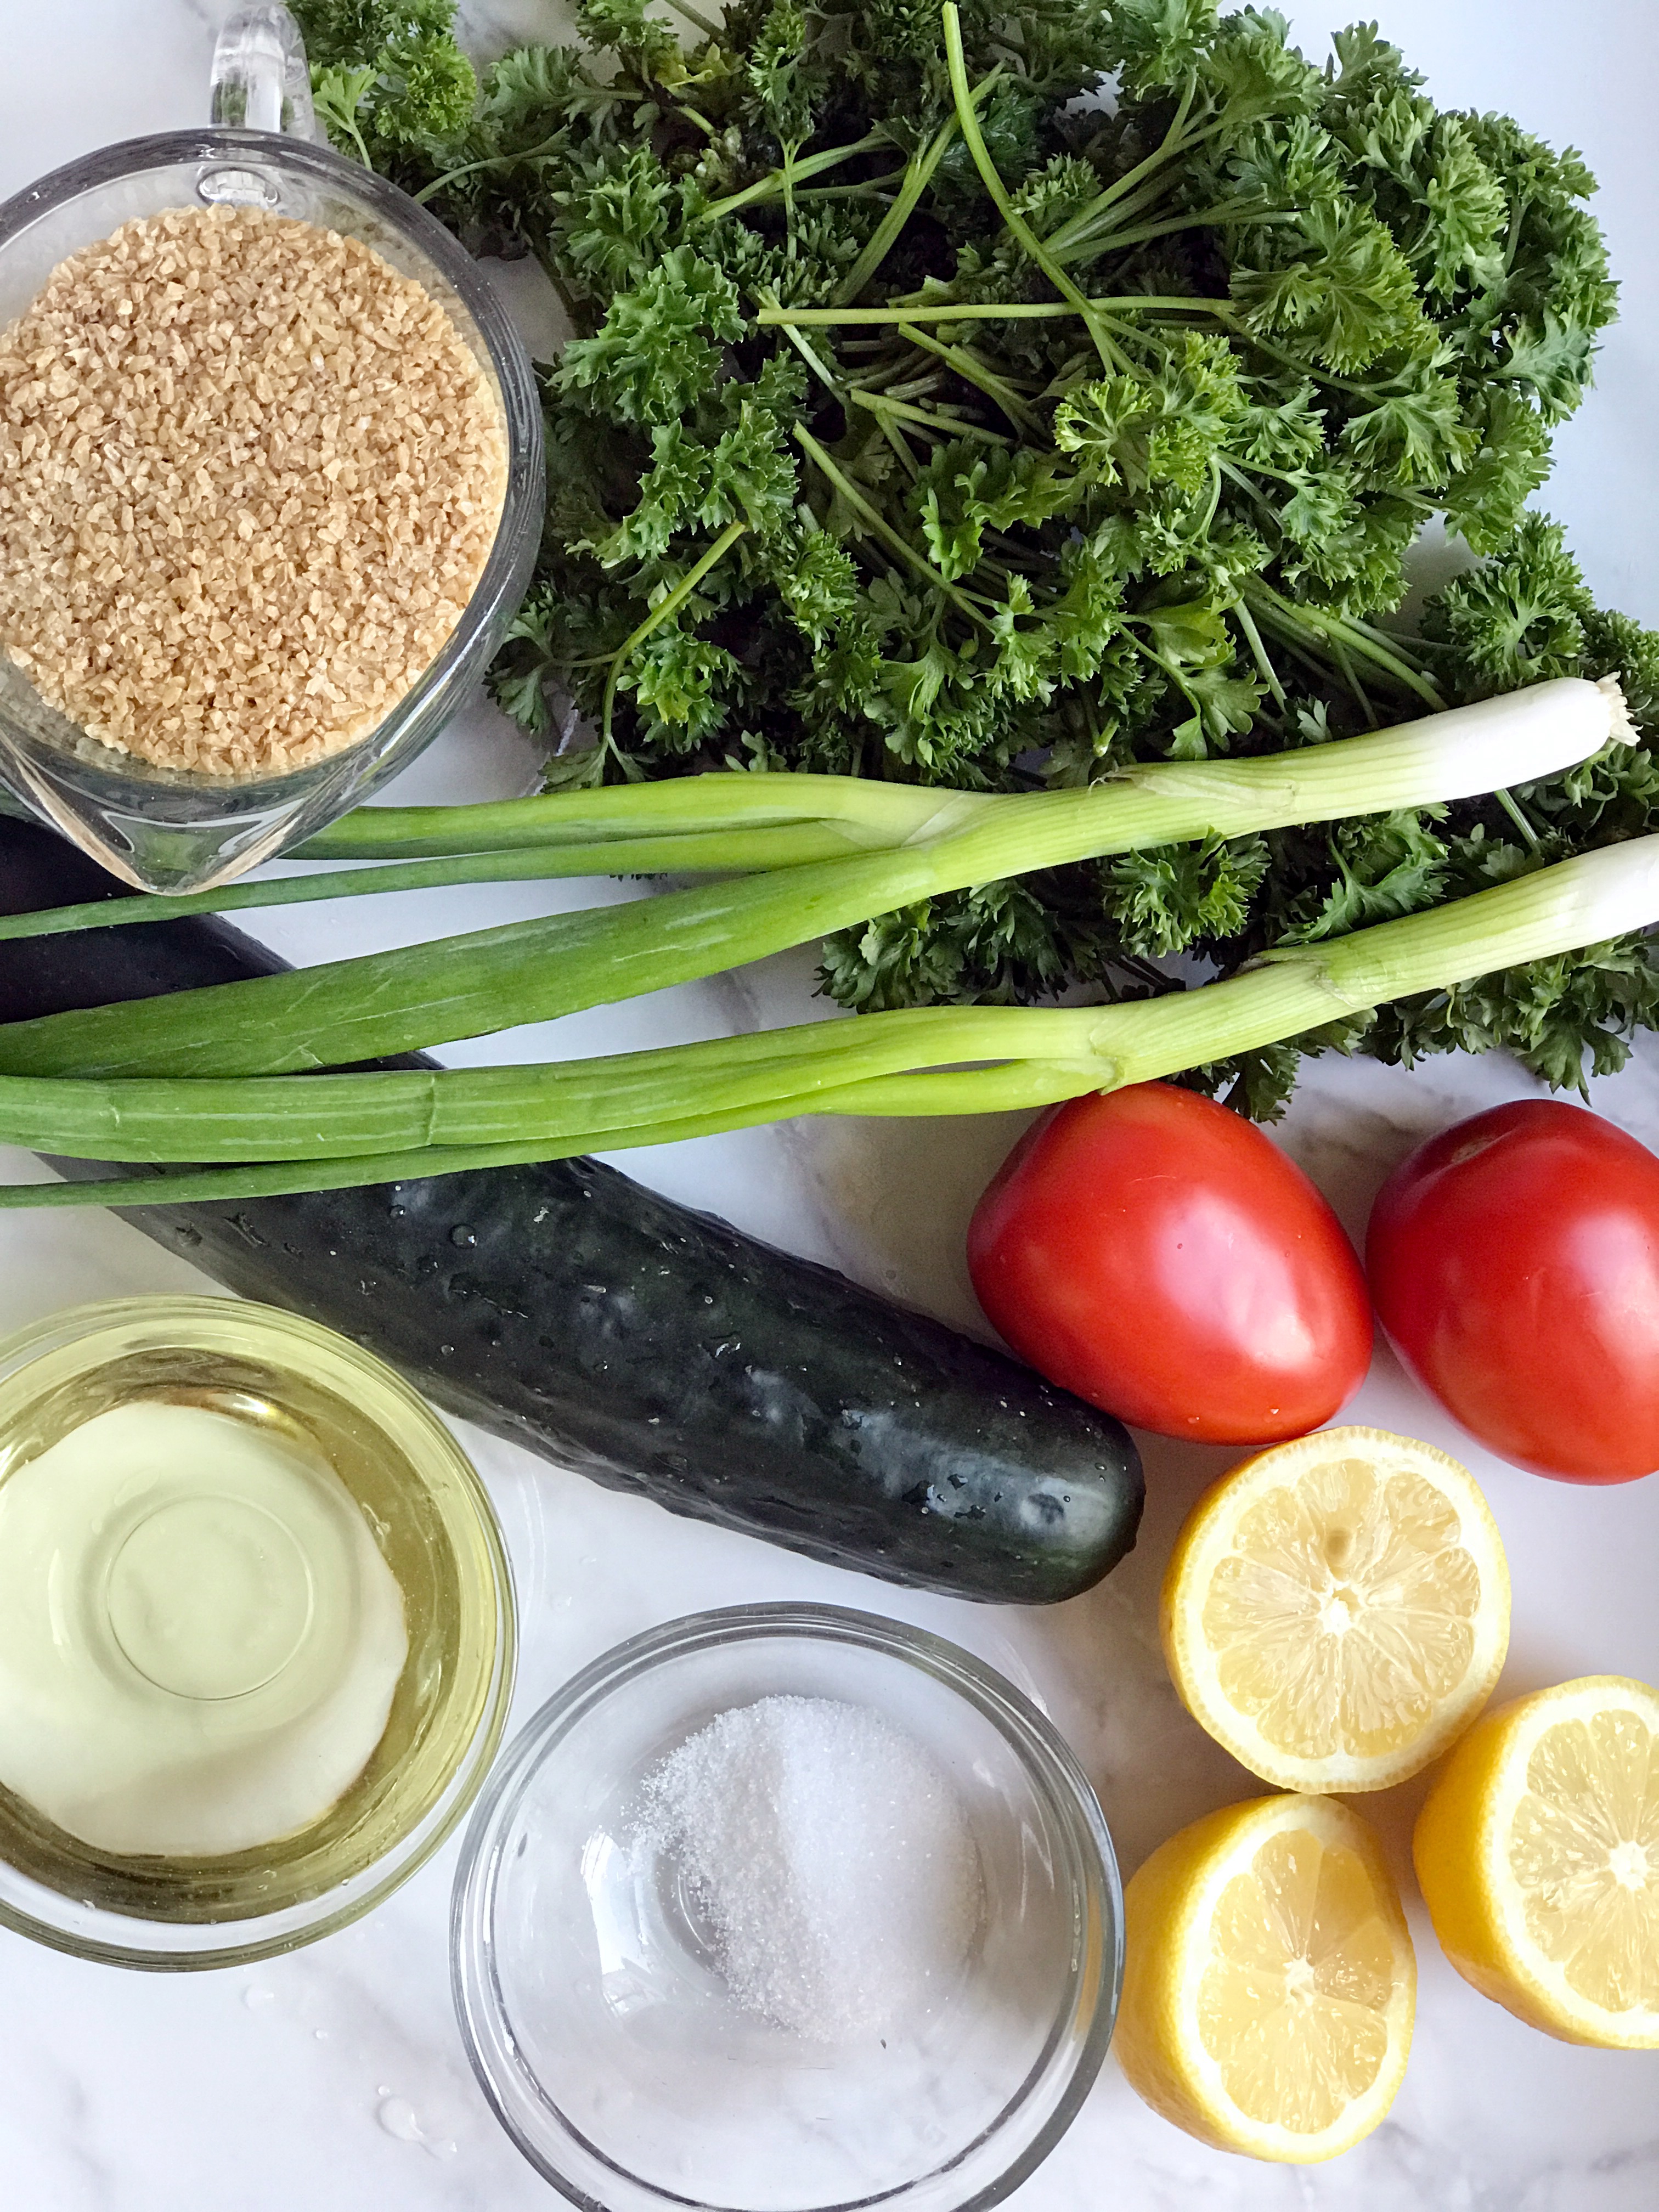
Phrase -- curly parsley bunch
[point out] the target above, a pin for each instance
(928, 419)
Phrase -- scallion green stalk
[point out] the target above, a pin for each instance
(415, 995)
(721, 803)
(324, 1132)
(340, 1116)
(717, 823)
(764, 849)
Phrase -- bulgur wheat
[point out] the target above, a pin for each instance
(249, 478)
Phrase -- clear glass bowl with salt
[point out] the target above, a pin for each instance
(785, 1907)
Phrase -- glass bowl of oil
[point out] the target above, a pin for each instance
(257, 1631)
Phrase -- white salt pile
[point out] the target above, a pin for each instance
(831, 1858)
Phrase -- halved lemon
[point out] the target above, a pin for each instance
(1538, 1854)
(1269, 1982)
(1336, 1610)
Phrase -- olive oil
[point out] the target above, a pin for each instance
(290, 1594)
(199, 1640)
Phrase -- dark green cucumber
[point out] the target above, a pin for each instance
(652, 1348)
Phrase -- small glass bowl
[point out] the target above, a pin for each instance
(429, 1514)
(170, 829)
(595, 2017)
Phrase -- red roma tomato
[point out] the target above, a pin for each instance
(1157, 1255)
(1515, 1263)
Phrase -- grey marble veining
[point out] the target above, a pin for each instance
(335, 2079)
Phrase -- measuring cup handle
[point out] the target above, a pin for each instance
(260, 81)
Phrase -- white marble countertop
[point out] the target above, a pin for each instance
(335, 2078)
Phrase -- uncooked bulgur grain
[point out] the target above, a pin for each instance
(249, 478)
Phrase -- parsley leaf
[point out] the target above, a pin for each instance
(657, 353)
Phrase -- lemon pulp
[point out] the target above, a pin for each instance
(1337, 1608)
(1346, 1611)
(1293, 2007)
(1584, 1850)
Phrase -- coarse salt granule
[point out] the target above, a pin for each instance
(831, 1858)
(249, 478)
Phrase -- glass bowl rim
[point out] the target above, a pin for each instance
(509, 358)
(1046, 1758)
(405, 1857)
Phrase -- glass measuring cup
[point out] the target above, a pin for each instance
(169, 829)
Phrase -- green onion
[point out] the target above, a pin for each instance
(718, 823)
(340, 1116)
(391, 1002)
(324, 1132)
(719, 804)
(764, 849)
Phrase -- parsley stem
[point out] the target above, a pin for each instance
(968, 366)
(1226, 312)
(809, 355)
(878, 404)
(665, 607)
(895, 373)
(1516, 813)
(1240, 615)
(1170, 668)
(1169, 150)
(878, 525)
(989, 311)
(1110, 354)
(1278, 614)
(694, 115)
(1517, 224)
(1164, 152)
(332, 111)
(773, 184)
(1080, 229)
(1363, 698)
(709, 29)
(918, 176)
(1215, 218)
(1237, 471)
(894, 437)
(491, 162)
(872, 188)
(1237, 475)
